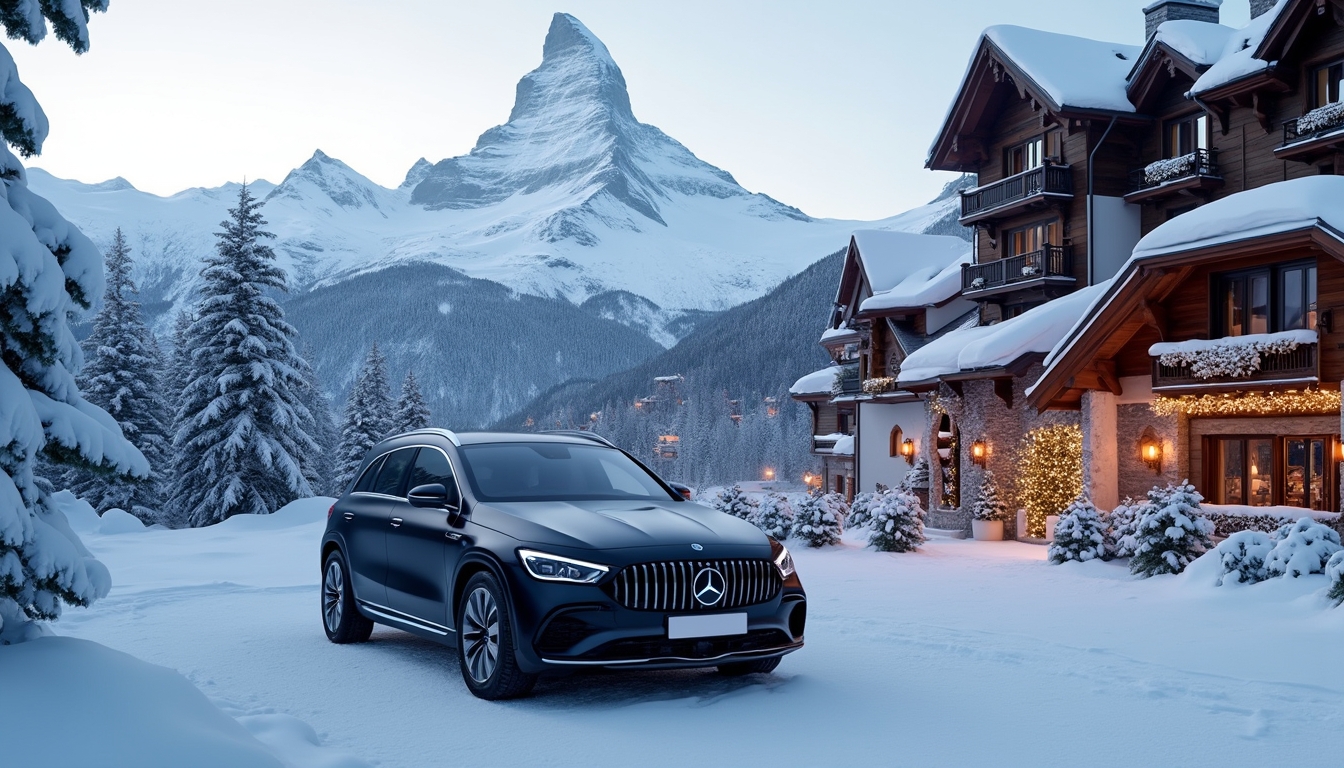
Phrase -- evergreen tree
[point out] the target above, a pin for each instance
(820, 519)
(775, 516)
(48, 271)
(1334, 572)
(411, 411)
(734, 501)
(860, 510)
(1170, 537)
(320, 466)
(918, 476)
(368, 417)
(240, 434)
(898, 522)
(121, 376)
(1302, 548)
(1122, 527)
(1079, 535)
(989, 506)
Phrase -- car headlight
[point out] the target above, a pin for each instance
(555, 568)
(784, 562)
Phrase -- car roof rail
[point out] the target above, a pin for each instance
(448, 433)
(582, 434)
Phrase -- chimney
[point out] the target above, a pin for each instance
(1260, 7)
(1173, 10)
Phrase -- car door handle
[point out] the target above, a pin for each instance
(349, 515)
(396, 522)
(453, 536)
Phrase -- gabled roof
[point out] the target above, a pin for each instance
(929, 286)
(883, 261)
(1063, 74)
(1265, 220)
(1244, 56)
(1186, 46)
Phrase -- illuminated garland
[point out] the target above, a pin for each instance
(1051, 473)
(1311, 401)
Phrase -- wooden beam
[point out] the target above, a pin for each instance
(1106, 373)
(956, 387)
(1004, 389)
(1156, 316)
(1261, 113)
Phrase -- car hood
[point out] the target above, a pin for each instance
(620, 524)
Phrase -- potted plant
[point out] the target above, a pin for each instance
(989, 511)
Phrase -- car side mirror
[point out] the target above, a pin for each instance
(683, 490)
(429, 496)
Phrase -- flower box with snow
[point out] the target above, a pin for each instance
(978, 283)
(1168, 169)
(879, 385)
(1288, 355)
(1320, 119)
(1030, 269)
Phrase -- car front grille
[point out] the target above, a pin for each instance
(669, 585)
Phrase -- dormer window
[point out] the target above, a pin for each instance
(1325, 84)
(1185, 135)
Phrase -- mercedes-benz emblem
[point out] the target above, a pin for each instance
(708, 586)
(697, 547)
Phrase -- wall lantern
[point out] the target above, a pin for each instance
(979, 452)
(908, 451)
(1339, 451)
(1150, 451)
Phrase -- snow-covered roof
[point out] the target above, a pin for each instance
(1073, 71)
(815, 383)
(991, 346)
(925, 287)
(844, 446)
(1194, 346)
(1201, 42)
(1238, 56)
(888, 258)
(1279, 207)
(831, 335)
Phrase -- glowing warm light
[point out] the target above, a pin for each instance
(1050, 473)
(908, 450)
(1311, 401)
(769, 474)
(979, 450)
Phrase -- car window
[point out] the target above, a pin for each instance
(394, 471)
(555, 472)
(431, 466)
(365, 483)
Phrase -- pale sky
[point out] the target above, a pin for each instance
(828, 106)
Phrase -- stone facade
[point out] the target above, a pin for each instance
(1134, 477)
(1174, 10)
(1260, 7)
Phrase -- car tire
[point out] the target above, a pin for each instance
(759, 666)
(485, 642)
(341, 620)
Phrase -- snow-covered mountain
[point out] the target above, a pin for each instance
(573, 197)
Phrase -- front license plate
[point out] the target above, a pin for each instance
(712, 625)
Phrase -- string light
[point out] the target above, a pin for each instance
(1050, 473)
(1311, 401)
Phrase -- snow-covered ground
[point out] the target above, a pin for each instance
(965, 653)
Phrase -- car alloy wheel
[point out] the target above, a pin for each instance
(333, 595)
(480, 638)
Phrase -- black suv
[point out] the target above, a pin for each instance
(538, 553)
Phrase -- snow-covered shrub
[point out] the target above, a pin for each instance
(989, 506)
(775, 516)
(1321, 118)
(1232, 357)
(917, 477)
(1301, 548)
(734, 501)
(1168, 169)
(1334, 570)
(819, 520)
(1122, 527)
(860, 510)
(898, 522)
(1079, 535)
(1171, 536)
(1229, 522)
(1242, 557)
(845, 375)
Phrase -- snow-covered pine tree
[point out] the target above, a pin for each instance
(734, 501)
(918, 476)
(240, 436)
(1242, 557)
(1122, 525)
(368, 417)
(1302, 548)
(121, 376)
(320, 466)
(990, 505)
(177, 363)
(820, 519)
(1173, 535)
(1334, 571)
(775, 516)
(1080, 534)
(411, 411)
(898, 522)
(48, 271)
(860, 510)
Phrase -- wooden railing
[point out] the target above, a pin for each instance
(1203, 162)
(1300, 363)
(1050, 261)
(1045, 180)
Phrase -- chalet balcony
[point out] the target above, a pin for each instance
(1188, 174)
(1317, 134)
(1284, 370)
(1035, 188)
(1052, 264)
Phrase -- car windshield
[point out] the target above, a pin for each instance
(555, 472)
